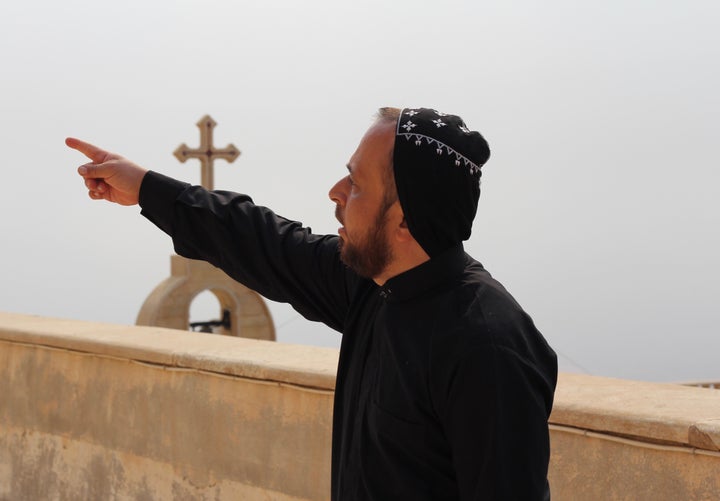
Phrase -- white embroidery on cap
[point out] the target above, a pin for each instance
(439, 123)
(409, 126)
(460, 159)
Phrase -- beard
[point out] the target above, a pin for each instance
(372, 253)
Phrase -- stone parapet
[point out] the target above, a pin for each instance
(94, 411)
(657, 413)
(614, 439)
(98, 411)
(265, 360)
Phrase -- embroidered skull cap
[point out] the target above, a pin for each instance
(436, 162)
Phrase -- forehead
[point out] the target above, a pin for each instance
(374, 153)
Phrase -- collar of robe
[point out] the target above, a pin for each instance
(426, 277)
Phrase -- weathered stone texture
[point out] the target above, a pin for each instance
(92, 411)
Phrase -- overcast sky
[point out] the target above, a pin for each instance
(599, 209)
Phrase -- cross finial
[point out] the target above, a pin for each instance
(206, 153)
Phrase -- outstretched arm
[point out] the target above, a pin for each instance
(109, 176)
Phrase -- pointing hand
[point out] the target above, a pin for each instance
(109, 176)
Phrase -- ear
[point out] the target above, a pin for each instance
(403, 232)
(408, 246)
(400, 230)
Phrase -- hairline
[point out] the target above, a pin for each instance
(389, 115)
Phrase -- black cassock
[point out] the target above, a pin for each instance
(444, 385)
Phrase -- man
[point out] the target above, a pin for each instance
(444, 384)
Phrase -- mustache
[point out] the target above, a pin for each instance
(339, 215)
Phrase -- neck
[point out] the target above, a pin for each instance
(408, 258)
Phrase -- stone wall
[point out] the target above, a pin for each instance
(615, 439)
(95, 411)
(98, 412)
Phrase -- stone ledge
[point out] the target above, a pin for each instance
(306, 366)
(655, 412)
(651, 412)
(705, 435)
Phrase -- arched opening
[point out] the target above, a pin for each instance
(198, 293)
(206, 314)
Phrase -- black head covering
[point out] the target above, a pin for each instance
(437, 163)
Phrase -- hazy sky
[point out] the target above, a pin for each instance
(599, 210)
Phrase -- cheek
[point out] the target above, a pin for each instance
(359, 212)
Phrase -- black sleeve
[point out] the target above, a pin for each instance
(272, 255)
(495, 418)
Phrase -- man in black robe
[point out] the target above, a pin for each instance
(444, 384)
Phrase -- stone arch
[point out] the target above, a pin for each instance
(203, 307)
(168, 305)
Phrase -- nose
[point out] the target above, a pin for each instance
(338, 193)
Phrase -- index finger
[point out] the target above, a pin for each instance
(94, 153)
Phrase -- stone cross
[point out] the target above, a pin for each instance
(206, 153)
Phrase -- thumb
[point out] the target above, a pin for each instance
(95, 171)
